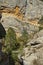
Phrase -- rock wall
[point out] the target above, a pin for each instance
(33, 8)
(34, 53)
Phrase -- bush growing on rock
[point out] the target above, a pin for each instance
(11, 45)
(11, 41)
(24, 38)
(41, 23)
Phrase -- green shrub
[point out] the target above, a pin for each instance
(40, 28)
(41, 20)
(11, 41)
(41, 23)
(24, 38)
(15, 56)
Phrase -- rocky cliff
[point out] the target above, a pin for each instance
(25, 14)
(31, 8)
(34, 53)
(21, 14)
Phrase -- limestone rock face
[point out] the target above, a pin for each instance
(34, 50)
(33, 8)
(34, 56)
(9, 20)
(12, 3)
(38, 34)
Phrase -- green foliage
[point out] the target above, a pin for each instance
(41, 23)
(11, 41)
(40, 28)
(41, 20)
(24, 38)
(15, 56)
(12, 44)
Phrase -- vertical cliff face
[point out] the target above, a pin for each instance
(13, 3)
(34, 8)
(31, 9)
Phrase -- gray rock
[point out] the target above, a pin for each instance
(37, 43)
(34, 56)
(33, 8)
(38, 34)
(10, 21)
